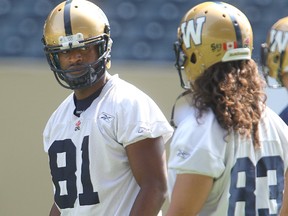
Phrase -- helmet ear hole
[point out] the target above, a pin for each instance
(193, 58)
(276, 59)
(107, 29)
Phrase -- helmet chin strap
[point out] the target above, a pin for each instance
(99, 63)
(94, 76)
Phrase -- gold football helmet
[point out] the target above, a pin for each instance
(274, 56)
(211, 32)
(75, 24)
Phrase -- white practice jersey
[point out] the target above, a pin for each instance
(88, 162)
(247, 181)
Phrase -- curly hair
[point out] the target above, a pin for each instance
(235, 92)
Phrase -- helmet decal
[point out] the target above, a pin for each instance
(278, 39)
(230, 45)
(189, 31)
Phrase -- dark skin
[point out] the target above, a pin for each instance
(189, 188)
(54, 211)
(147, 158)
(73, 59)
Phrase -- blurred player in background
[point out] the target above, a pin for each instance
(274, 58)
(106, 140)
(229, 155)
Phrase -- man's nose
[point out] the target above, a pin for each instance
(75, 56)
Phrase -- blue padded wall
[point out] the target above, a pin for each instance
(140, 29)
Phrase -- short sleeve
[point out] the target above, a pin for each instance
(198, 148)
(139, 117)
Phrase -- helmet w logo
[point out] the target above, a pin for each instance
(192, 29)
(278, 39)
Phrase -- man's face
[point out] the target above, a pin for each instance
(74, 59)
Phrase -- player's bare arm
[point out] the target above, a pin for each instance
(54, 211)
(189, 188)
(147, 159)
(284, 208)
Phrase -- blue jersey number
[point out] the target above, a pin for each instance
(246, 193)
(67, 174)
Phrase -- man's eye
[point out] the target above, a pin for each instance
(81, 49)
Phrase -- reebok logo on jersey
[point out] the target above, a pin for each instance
(143, 129)
(106, 117)
(182, 154)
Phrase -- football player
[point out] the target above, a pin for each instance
(229, 155)
(274, 58)
(105, 141)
